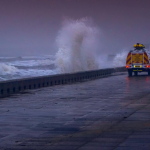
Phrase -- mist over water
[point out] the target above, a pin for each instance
(120, 59)
(77, 46)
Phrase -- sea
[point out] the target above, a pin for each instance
(78, 49)
(25, 67)
(43, 65)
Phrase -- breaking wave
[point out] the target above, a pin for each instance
(7, 69)
(14, 68)
(77, 45)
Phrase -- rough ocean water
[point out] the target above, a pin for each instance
(21, 67)
(33, 66)
(78, 43)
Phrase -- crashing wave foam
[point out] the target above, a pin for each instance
(77, 44)
(7, 69)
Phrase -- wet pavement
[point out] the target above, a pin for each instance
(110, 113)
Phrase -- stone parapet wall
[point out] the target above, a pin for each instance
(10, 87)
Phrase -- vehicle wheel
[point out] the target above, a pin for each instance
(149, 73)
(129, 73)
(136, 73)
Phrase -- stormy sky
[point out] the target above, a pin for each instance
(30, 27)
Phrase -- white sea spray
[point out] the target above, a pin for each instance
(77, 45)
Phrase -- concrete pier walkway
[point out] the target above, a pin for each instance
(110, 113)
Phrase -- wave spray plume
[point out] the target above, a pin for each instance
(77, 45)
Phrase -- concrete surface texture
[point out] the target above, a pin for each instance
(110, 113)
